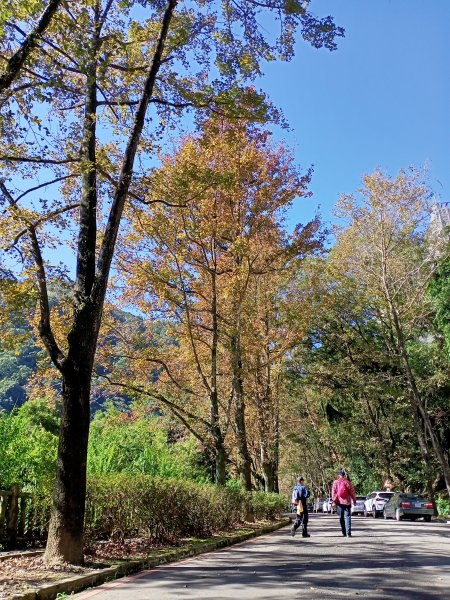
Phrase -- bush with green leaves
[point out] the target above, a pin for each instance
(268, 505)
(121, 506)
(122, 442)
(443, 506)
(28, 444)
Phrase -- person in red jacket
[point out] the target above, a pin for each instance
(343, 496)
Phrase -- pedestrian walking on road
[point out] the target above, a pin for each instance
(343, 496)
(300, 493)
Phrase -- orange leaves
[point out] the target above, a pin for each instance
(207, 254)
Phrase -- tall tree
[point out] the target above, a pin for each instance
(385, 249)
(198, 261)
(346, 389)
(74, 126)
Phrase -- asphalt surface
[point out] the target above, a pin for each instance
(383, 559)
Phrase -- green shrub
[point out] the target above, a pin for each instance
(443, 506)
(268, 505)
(121, 506)
(127, 443)
(28, 446)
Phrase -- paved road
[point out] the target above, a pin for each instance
(382, 560)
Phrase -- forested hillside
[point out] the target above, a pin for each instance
(22, 365)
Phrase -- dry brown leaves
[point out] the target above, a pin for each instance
(25, 572)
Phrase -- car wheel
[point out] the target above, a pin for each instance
(365, 513)
(427, 518)
(384, 514)
(398, 516)
(374, 513)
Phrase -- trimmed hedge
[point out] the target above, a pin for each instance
(121, 506)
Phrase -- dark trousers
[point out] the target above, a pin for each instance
(344, 514)
(301, 519)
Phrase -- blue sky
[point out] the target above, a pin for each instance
(381, 100)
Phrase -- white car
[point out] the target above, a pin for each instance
(328, 506)
(318, 504)
(374, 503)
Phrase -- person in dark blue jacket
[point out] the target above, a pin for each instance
(300, 493)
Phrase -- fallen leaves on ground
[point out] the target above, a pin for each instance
(25, 572)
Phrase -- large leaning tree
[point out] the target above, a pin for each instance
(81, 121)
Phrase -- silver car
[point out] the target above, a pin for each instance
(318, 504)
(408, 506)
(358, 508)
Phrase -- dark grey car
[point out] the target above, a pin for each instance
(408, 506)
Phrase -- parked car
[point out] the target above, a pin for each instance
(374, 503)
(408, 506)
(328, 506)
(358, 508)
(318, 504)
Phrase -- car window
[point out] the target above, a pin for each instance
(360, 497)
(386, 494)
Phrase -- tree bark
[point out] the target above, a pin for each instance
(220, 461)
(65, 540)
(244, 460)
(267, 469)
(17, 60)
(65, 536)
(220, 475)
(416, 398)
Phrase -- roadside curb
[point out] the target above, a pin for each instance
(95, 578)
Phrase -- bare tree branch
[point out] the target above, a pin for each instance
(17, 60)
(40, 221)
(38, 187)
(45, 330)
(38, 160)
(112, 227)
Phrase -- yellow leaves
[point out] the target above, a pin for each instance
(247, 63)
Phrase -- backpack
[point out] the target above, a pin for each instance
(342, 490)
(295, 496)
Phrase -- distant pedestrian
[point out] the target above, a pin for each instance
(343, 496)
(300, 493)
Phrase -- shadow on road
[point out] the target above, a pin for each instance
(383, 559)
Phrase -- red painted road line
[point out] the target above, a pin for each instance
(173, 565)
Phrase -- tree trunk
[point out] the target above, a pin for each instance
(65, 540)
(18, 59)
(415, 395)
(65, 536)
(418, 402)
(220, 475)
(268, 420)
(421, 436)
(244, 461)
(220, 462)
(267, 469)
